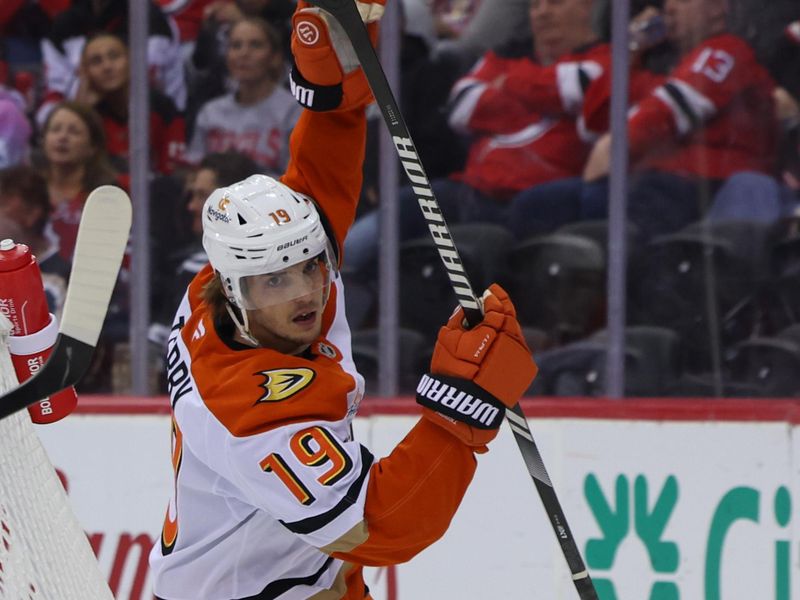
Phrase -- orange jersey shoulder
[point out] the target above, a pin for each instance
(251, 391)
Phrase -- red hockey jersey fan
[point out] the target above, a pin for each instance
(523, 119)
(712, 116)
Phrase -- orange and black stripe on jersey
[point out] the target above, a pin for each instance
(311, 524)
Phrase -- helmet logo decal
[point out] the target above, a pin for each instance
(292, 243)
(223, 202)
(280, 384)
(218, 215)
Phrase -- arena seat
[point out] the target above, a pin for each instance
(414, 357)
(427, 297)
(579, 368)
(703, 282)
(557, 282)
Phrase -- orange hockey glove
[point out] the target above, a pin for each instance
(477, 373)
(325, 74)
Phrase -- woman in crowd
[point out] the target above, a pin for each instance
(258, 116)
(75, 161)
(105, 85)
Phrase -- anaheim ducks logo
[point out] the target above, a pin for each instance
(280, 384)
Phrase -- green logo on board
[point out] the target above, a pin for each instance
(644, 512)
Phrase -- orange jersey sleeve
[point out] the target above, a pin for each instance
(326, 157)
(412, 495)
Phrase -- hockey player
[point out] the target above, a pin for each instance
(273, 496)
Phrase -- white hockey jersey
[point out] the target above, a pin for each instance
(273, 498)
(259, 489)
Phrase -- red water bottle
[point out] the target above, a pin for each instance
(34, 328)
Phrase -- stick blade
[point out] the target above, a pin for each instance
(102, 238)
(66, 365)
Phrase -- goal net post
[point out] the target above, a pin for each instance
(44, 552)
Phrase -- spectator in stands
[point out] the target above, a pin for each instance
(711, 117)
(758, 196)
(219, 169)
(208, 75)
(23, 24)
(522, 115)
(75, 162)
(257, 118)
(15, 130)
(62, 49)
(714, 116)
(469, 28)
(188, 17)
(105, 85)
(24, 212)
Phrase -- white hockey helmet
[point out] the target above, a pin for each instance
(260, 227)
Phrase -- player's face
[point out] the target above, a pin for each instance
(200, 187)
(291, 325)
(560, 26)
(66, 139)
(250, 58)
(105, 61)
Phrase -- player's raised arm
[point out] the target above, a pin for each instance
(327, 144)
(476, 374)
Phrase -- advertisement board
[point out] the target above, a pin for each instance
(669, 500)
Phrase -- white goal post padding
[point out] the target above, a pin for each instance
(44, 553)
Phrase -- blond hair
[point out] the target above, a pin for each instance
(214, 295)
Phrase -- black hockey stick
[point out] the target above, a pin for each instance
(346, 13)
(102, 237)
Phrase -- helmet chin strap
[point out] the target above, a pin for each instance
(243, 326)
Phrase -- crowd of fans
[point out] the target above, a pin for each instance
(508, 102)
